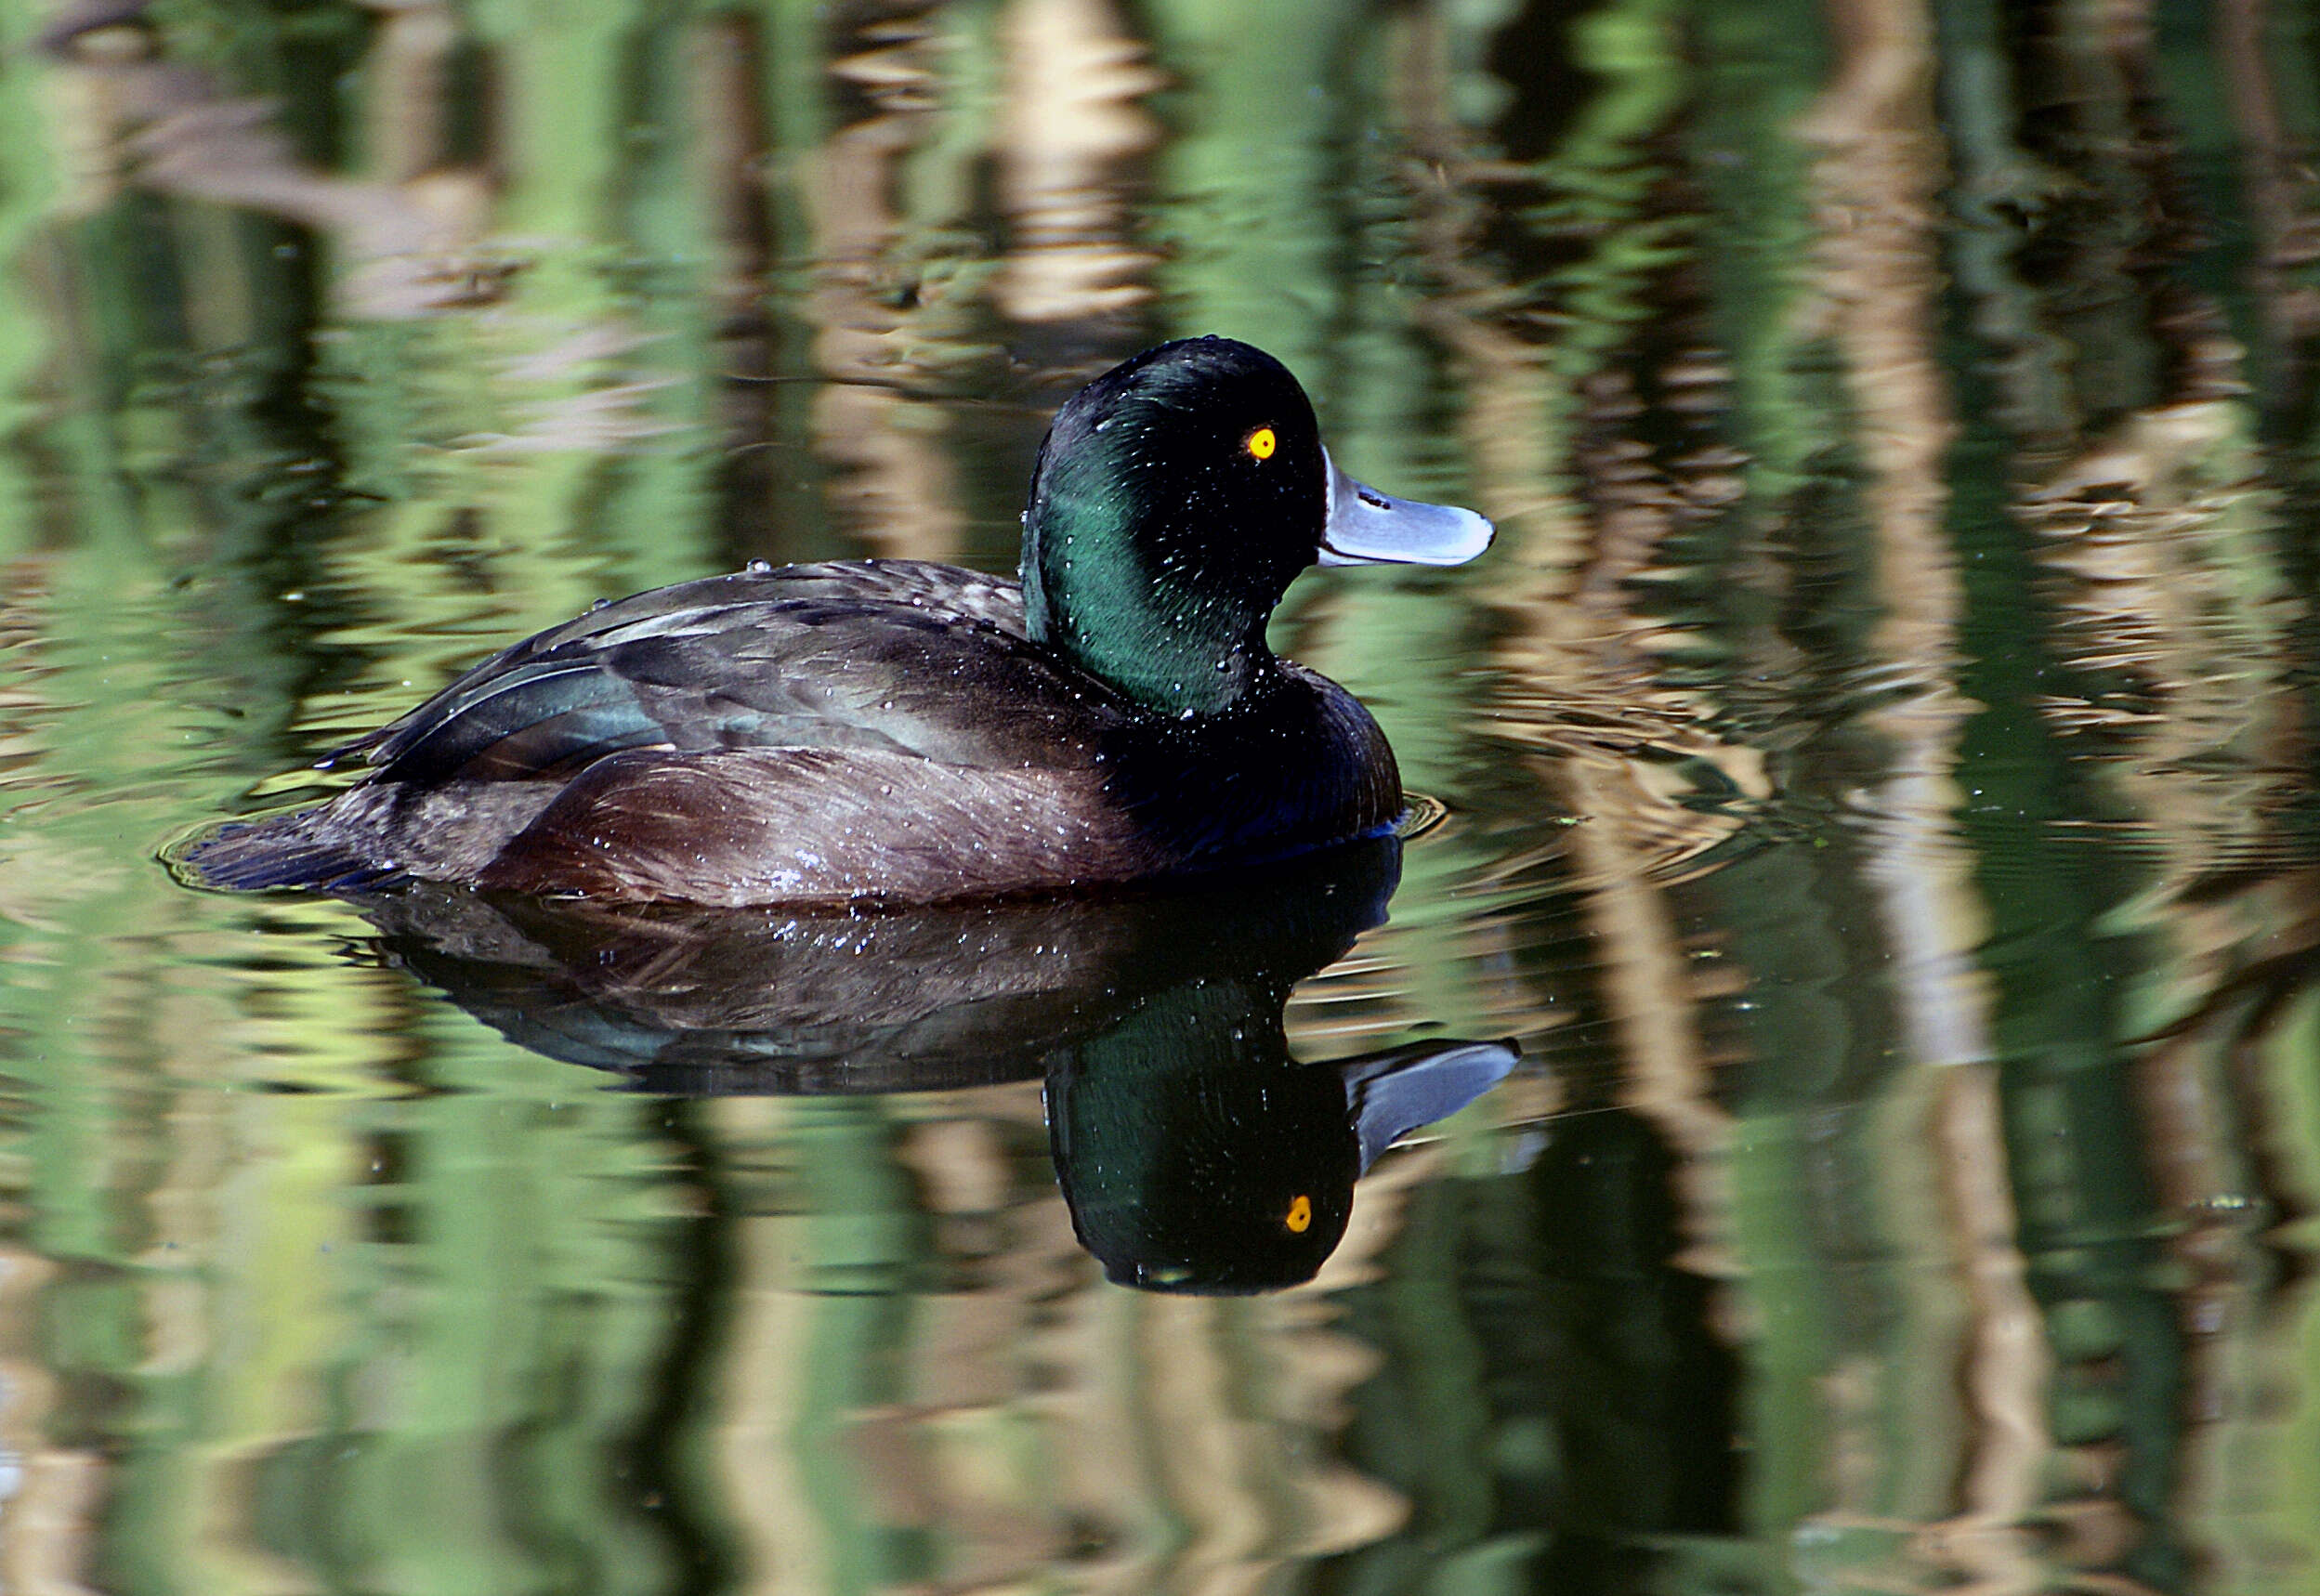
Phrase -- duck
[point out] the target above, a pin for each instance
(904, 732)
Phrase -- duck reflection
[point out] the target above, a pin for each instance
(1195, 1153)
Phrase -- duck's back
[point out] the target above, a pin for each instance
(873, 654)
(880, 729)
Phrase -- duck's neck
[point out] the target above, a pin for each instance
(1163, 638)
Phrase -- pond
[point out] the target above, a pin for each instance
(1830, 1065)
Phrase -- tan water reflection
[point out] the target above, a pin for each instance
(1879, 791)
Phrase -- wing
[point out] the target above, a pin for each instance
(891, 656)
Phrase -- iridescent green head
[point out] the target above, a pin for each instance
(1176, 499)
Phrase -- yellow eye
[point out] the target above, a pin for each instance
(1259, 445)
(1300, 1213)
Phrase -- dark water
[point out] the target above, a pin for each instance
(1875, 757)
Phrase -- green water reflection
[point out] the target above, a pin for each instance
(1876, 754)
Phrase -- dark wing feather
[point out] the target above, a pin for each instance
(896, 656)
(531, 719)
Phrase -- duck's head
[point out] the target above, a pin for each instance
(1176, 499)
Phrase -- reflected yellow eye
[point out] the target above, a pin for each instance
(1259, 445)
(1300, 1213)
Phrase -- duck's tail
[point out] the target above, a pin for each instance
(299, 849)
